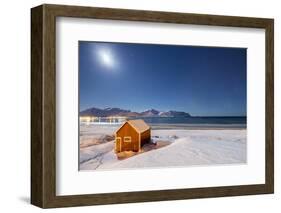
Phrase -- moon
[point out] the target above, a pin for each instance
(106, 58)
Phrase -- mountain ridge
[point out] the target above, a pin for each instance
(115, 111)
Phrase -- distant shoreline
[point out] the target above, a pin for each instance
(200, 127)
(169, 126)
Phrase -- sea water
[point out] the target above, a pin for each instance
(215, 122)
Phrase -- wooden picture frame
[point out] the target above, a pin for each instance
(43, 105)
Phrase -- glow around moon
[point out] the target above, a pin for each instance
(106, 58)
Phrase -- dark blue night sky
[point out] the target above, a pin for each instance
(203, 81)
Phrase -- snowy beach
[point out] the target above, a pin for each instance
(172, 147)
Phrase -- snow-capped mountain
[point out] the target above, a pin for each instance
(150, 113)
(107, 112)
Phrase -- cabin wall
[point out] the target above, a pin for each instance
(127, 130)
(145, 137)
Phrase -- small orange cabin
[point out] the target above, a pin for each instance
(131, 136)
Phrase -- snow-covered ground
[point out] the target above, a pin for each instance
(185, 148)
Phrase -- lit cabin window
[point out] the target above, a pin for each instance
(127, 139)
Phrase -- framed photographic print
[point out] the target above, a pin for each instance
(136, 106)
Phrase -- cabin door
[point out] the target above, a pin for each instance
(118, 144)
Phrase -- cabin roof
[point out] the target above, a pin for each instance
(139, 125)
